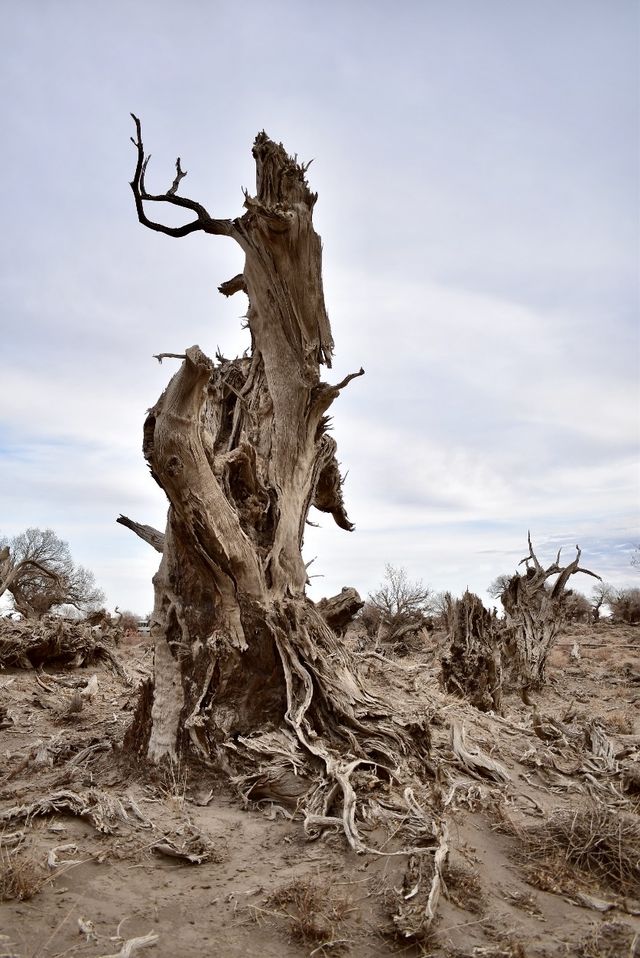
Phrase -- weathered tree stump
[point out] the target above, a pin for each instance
(535, 613)
(249, 676)
(472, 666)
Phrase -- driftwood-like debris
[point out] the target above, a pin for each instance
(51, 640)
(132, 945)
(101, 810)
(340, 610)
(195, 849)
(472, 760)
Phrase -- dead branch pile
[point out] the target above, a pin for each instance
(97, 807)
(30, 643)
(600, 844)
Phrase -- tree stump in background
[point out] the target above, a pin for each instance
(472, 667)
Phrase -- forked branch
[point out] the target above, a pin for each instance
(203, 221)
(540, 576)
(570, 570)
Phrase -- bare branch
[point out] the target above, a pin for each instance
(235, 285)
(161, 356)
(203, 222)
(147, 533)
(570, 570)
(324, 394)
(532, 556)
(347, 380)
(31, 563)
(180, 174)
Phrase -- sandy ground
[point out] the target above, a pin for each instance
(92, 881)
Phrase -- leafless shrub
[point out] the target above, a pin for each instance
(625, 606)
(443, 610)
(129, 621)
(592, 843)
(463, 887)
(611, 939)
(403, 605)
(576, 607)
(370, 617)
(21, 876)
(620, 721)
(312, 912)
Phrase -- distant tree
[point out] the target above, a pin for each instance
(402, 604)
(36, 568)
(497, 588)
(625, 606)
(442, 606)
(601, 594)
(635, 558)
(577, 607)
(129, 620)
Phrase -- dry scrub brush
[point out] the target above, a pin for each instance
(21, 876)
(611, 939)
(591, 843)
(312, 913)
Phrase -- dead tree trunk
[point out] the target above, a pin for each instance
(472, 667)
(535, 613)
(248, 674)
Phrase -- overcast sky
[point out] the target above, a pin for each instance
(477, 170)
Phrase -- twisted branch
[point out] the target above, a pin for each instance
(203, 222)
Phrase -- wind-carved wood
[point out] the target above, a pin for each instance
(248, 674)
(535, 612)
(340, 610)
(472, 666)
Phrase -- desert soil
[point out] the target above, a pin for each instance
(84, 883)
